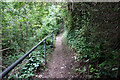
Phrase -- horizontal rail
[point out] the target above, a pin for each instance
(4, 49)
(6, 71)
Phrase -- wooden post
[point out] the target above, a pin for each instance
(45, 50)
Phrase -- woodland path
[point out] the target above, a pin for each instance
(60, 66)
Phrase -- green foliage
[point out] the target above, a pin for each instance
(88, 38)
(23, 26)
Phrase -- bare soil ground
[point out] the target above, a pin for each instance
(60, 65)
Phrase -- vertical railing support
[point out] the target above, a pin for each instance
(55, 34)
(52, 38)
(45, 50)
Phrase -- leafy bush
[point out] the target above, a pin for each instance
(23, 26)
(88, 38)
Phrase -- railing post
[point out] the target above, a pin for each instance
(55, 35)
(52, 38)
(45, 50)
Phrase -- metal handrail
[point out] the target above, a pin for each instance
(6, 71)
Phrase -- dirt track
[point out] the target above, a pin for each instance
(60, 65)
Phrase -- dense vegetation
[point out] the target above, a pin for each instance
(94, 35)
(23, 26)
(91, 29)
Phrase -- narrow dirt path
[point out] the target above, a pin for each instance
(57, 65)
(61, 64)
